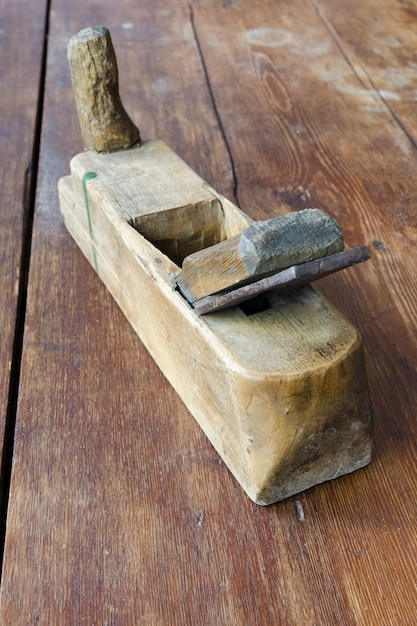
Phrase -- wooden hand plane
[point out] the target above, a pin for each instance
(277, 382)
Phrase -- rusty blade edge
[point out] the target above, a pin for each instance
(295, 275)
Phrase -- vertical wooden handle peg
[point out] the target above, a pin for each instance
(105, 125)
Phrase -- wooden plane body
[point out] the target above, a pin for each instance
(281, 392)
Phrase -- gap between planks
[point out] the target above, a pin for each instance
(235, 183)
(28, 201)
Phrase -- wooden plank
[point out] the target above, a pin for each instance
(20, 70)
(91, 531)
(120, 511)
(380, 52)
(334, 149)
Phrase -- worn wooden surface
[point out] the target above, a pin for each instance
(105, 125)
(20, 71)
(174, 231)
(120, 512)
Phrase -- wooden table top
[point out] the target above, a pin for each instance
(118, 509)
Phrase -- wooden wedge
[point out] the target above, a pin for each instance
(260, 250)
